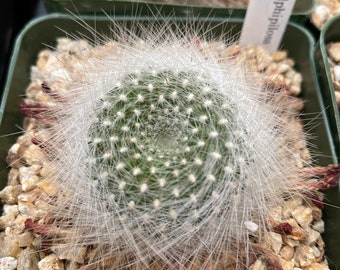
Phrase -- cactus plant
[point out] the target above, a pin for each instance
(165, 153)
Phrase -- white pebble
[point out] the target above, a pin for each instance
(322, 12)
(251, 226)
(337, 73)
(51, 262)
(8, 263)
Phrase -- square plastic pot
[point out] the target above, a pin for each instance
(45, 30)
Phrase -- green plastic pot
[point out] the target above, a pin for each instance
(329, 33)
(44, 31)
(300, 13)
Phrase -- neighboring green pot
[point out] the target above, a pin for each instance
(44, 31)
(329, 33)
(300, 13)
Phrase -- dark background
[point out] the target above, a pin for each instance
(14, 14)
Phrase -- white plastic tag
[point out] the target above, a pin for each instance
(265, 23)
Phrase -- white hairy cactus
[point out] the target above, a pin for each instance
(166, 153)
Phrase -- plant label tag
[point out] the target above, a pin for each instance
(265, 23)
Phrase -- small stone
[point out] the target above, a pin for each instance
(33, 154)
(337, 96)
(48, 187)
(13, 177)
(290, 242)
(289, 205)
(319, 226)
(320, 15)
(303, 215)
(76, 254)
(312, 236)
(27, 208)
(276, 213)
(9, 194)
(28, 177)
(28, 259)
(8, 263)
(317, 266)
(304, 256)
(251, 226)
(258, 265)
(279, 56)
(336, 72)
(7, 220)
(25, 239)
(9, 247)
(333, 50)
(287, 253)
(42, 58)
(316, 252)
(29, 196)
(51, 262)
(295, 89)
(275, 240)
(72, 266)
(286, 265)
(10, 209)
(282, 68)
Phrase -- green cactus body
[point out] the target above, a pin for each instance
(161, 147)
